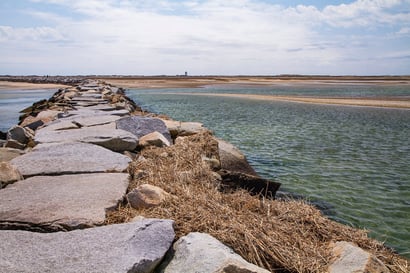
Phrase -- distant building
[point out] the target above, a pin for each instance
(186, 74)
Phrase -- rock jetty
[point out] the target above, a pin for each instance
(68, 164)
(63, 168)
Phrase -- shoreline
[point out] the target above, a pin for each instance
(8, 85)
(198, 82)
(180, 81)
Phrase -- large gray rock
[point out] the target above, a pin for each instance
(61, 202)
(232, 159)
(154, 139)
(135, 247)
(141, 126)
(69, 158)
(18, 134)
(202, 253)
(18, 137)
(349, 258)
(179, 128)
(146, 196)
(112, 139)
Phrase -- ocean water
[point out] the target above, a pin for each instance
(13, 101)
(352, 161)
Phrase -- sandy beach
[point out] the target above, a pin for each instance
(6, 85)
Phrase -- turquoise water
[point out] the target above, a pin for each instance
(13, 101)
(352, 160)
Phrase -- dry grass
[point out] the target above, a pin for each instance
(289, 236)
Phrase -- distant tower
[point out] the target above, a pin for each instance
(186, 74)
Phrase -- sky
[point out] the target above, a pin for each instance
(204, 37)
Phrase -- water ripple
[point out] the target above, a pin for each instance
(353, 159)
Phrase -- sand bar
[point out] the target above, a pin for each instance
(200, 81)
(389, 102)
(6, 85)
(195, 82)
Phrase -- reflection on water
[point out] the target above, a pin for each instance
(352, 159)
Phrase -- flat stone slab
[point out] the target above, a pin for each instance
(96, 120)
(86, 112)
(75, 122)
(59, 125)
(89, 99)
(89, 88)
(69, 158)
(103, 107)
(124, 248)
(112, 139)
(86, 104)
(141, 126)
(51, 203)
(90, 94)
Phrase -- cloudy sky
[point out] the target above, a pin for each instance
(204, 37)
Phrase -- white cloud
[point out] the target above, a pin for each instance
(8, 33)
(403, 31)
(206, 37)
(356, 14)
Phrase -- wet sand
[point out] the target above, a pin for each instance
(6, 85)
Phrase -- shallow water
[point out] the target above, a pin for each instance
(353, 160)
(13, 101)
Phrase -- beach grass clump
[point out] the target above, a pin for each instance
(281, 236)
